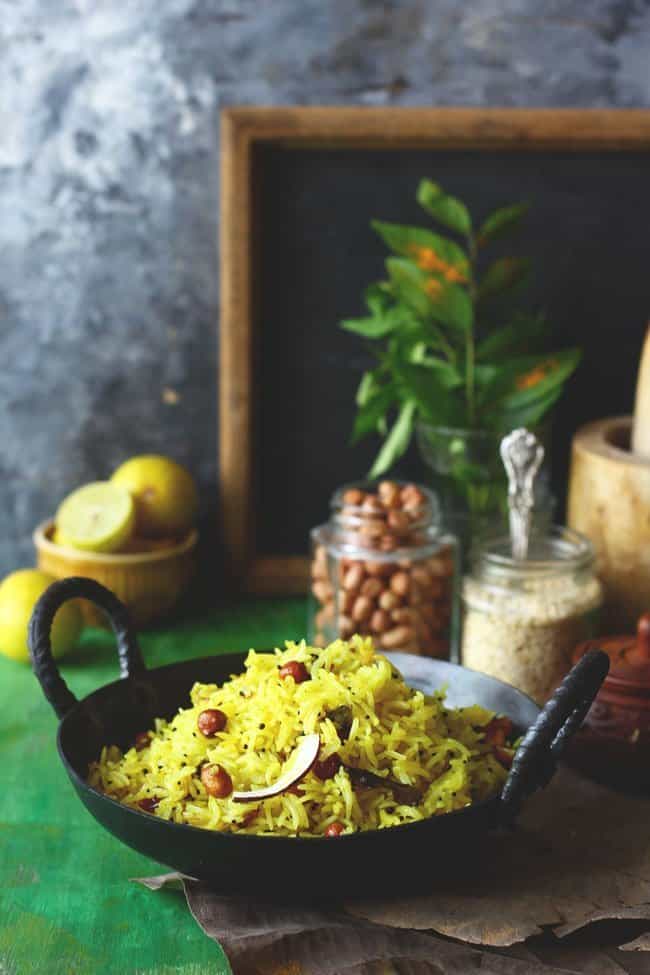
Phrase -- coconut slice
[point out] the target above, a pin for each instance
(299, 762)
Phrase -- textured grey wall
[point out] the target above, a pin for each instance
(109, 161)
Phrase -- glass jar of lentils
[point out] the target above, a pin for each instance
(382, 567)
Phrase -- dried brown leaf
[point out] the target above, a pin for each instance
(274, 939)
(579, 854)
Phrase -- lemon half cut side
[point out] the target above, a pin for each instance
(97, 517)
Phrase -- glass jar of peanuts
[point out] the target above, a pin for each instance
(523, 618)
(383, 567)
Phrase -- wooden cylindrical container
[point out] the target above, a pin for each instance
(609, 501)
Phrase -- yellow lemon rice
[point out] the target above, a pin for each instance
(392, 731)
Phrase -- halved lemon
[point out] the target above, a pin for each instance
(98, 517)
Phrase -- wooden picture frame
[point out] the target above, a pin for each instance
(345, 128)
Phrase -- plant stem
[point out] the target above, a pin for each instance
(470, 341)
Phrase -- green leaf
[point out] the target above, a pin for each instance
(407, 284)
(372, 411)
(366, 387)
(530, 414)
(429, 390)
(444, 208)
(504, 273)
(397, 440)
(523, 381)
(556, 370)
(377, 298)
(501, 222)
(518, 336)
(406, 240)
(453, 307)
(447, 374)
(369, 328)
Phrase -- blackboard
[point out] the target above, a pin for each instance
(315, 253)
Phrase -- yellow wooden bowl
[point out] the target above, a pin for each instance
(149, 583)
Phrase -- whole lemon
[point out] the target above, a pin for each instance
(19, 592)
(165, 495)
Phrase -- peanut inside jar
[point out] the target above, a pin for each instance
(381, 567)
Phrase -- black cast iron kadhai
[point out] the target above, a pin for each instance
(380, 861)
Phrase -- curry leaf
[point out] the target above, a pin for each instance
(397, 440)
(446, 373)
(366, 387)
(372, 411)
(444, 208)
(377, 298)
(524, 380)
(527, 415)
(429, 390)
(452, 306)
(408, 241)
(501, 222)
(407, 283)
(504, 273)
(554, 371)
(520, 335)
(369, 328)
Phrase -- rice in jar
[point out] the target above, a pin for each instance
(382, 566)
(523, 618)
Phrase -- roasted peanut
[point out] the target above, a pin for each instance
(441, 565)
(371, 588)
(295, 669)
(388, 543)
(211, 721)
(378, 568)
(216, 780)
(389, 600)
(353, 577)
(389, 494)
(379, 621)
(372, 505)
(142, 740)
(397, 637)
(325, 616)
(346, 626)
(322, 591)
(362, 609)
(398, 522)
(420, 575)
(371, 528)
(403, 615)
(353, 496)
(411, 496)
(319, 565)
(415, 596)
(400, 583)
(334, 829)
(347, 601)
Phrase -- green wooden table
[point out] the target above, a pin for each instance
(66, 904)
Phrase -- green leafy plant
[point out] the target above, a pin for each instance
(450, 350)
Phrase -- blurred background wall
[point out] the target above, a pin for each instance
(109, 159)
